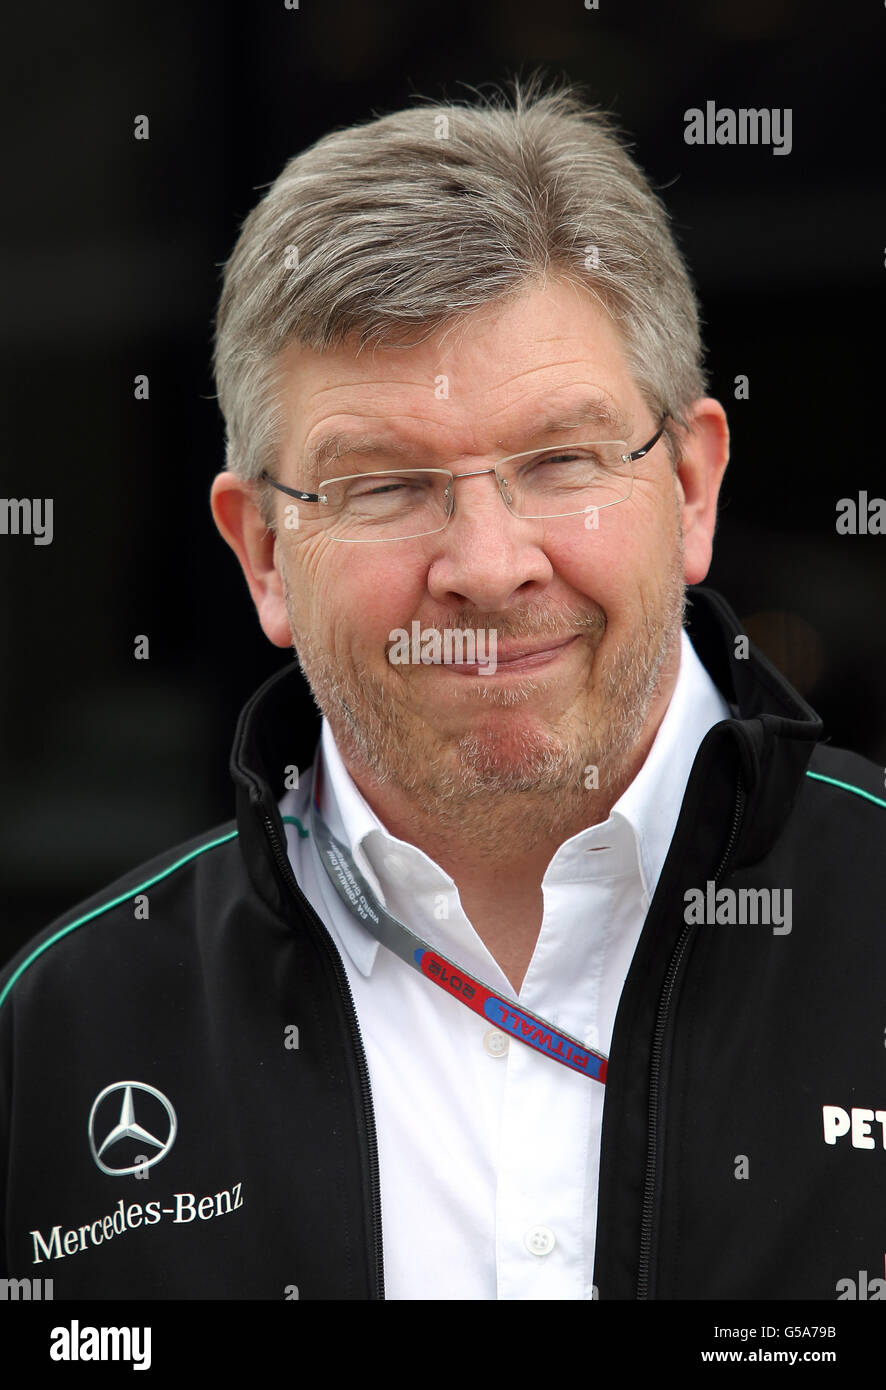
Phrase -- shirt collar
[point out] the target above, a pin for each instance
(651, 803)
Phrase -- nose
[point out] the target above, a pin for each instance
(486, 556)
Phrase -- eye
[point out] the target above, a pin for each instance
(383, 486)
(565, 458)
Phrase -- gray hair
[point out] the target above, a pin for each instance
(407, 222)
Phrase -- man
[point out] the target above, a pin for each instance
(546, 849)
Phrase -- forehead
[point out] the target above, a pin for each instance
(474, 385)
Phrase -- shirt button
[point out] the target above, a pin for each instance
(496, 1043)
(540, 1240)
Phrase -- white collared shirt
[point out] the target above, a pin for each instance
(489, 1152)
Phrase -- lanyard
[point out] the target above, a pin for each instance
(361, 901)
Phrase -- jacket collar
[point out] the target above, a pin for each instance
(770, 742)
(775, 730)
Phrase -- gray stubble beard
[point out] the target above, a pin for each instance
(463, 784)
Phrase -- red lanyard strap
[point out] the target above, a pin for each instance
(511, 1018)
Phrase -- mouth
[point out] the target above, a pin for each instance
(510, 660)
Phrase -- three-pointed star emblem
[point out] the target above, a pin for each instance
(129, 1128)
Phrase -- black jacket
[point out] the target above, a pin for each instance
(189, 975)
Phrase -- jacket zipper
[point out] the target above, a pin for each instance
(655, 1066)
(282, 860)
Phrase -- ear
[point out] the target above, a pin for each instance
(704, 456)
(235, 508)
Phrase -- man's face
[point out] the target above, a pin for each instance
(599, 607)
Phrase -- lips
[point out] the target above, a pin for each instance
(505, 656)
(516, 658)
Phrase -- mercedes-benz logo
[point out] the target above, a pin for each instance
(127, 1128)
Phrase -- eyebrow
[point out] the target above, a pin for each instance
(339, 444)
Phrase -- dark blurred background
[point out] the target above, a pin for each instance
(111, 257)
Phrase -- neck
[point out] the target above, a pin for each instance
(515, 839)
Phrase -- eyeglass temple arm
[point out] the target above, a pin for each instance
(639, 453)
(290, 491)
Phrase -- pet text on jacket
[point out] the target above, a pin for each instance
(857, 1122)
